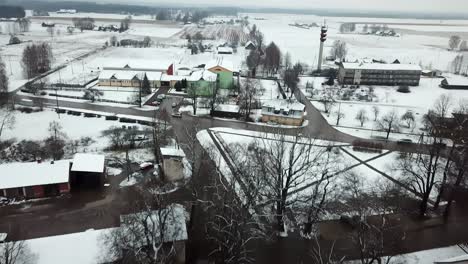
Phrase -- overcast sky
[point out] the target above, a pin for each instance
(439, 6)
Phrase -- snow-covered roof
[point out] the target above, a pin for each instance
(380, 66)
(457, 80)
(125, 75)
(139, 65)
(85, 162)
(106, 74)
(226, 64)
(249, 43)
(174, 227)
(154, 76)
(225, 50)
(202, 74)
(227, 108)
(3, 236)
(15, 175)
(173, 152)
(284, 104)
(168, 78)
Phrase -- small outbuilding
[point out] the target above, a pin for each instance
(87, 171)
(455, 83)
(225, 50)
(31, 180)
(173, 163)
(250, 46)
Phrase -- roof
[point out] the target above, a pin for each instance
(19, 174)
(139, 65)
(225, 50)
(106, 74)
(167, 78)
(174, 227)
(250, 43)
(380, 66)
(173, 152)
(284, 104)
(202, 74)
(229, 108)
(226, 64)
(154, 76)
(88, 162)
(127, 75)
(457, 81)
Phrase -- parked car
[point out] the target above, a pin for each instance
(404, 141)
(160, 97)
(4, 200)
(155, 103)
(146, 166)
(176, 115)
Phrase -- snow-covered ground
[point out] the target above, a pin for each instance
(420, 46)
(232, 139)
(387, 99)
(75, 127)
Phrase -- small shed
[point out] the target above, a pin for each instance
(225, 50)
(455, 83)
(173, 163)
(227, 111)
(87, 171)
(250, 46)
(34, 179)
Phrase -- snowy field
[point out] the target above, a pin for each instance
(75, 127)
(419, 45)
(232, 140)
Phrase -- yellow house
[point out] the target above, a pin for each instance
(284, 112)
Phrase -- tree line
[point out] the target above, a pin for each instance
(7, 11)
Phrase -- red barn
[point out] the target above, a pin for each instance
(34, 179)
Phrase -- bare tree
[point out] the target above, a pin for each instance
(113, 41)
(409, 119)
(374, 234)
(92, 94)
(361, 116)
(285, 163)
(454, 42)
(36, 59)
(55, 143)
(339, 115)
(150, 233)
(16, 252)
(287, 61)
(253, 60)
(442, 105)
(231, 227)
(7, 119)
(376, 112)
(463, 46)
(248, 92)
(192, 94)
(389, 123)
(272, 58)
(3, 78)
(328, 103)
(51, 31)
(339, 50)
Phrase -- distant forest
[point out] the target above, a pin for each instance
(111, 8)
(11, 11)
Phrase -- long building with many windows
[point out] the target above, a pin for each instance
(379, 74)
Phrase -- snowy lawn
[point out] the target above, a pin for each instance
(75, 127)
